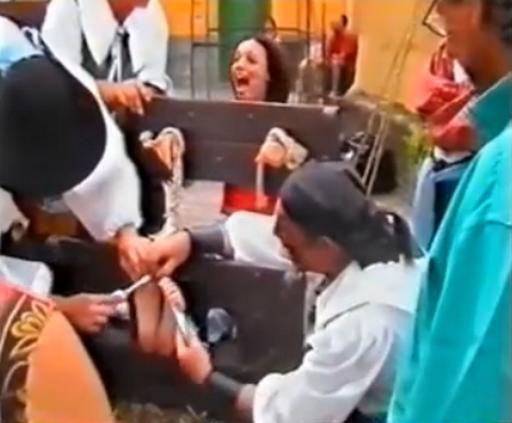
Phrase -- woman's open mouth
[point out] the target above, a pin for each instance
(241, 84)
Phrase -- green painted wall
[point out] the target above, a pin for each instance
(238, 19)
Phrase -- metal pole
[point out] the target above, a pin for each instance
(298, 16)
(192, 49)
(324, 35)
(308, 27)
(207, 52)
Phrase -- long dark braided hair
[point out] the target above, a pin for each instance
(328, 199)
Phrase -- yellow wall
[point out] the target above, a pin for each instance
(381, 30)
(292, 13)
(288, 14)
(179, 14)
(381, 25)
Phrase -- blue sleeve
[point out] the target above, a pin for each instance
(14, 46)
(459, 369)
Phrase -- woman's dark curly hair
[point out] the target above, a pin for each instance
(278, 88)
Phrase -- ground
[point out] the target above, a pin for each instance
(135, 413)
(198, 207)
(204, 196)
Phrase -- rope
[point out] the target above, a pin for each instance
(184, 324)
(174, 185)
(172, 153)
(395, 86)
(294, 154)
(389, 90)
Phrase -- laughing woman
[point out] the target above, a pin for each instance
(258, 73)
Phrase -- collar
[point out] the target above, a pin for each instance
(14, 45)
(492, 111)
(394, 284)
(100, 27)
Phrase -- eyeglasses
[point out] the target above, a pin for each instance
(433, 22)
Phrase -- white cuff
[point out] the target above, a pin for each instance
(266, 391)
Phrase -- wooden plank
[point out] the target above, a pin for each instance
(270, 317)
(229, 162)
(30, 13)
(223, 137)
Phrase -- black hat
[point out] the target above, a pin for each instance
(52, 131)
(323, 199)
(327, 199)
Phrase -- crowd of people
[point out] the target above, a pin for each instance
(398, 333)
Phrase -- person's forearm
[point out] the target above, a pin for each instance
(126, 230)
(212, 239)
(245, 402)
(107, 94)
(124, 233)
(60, 303)
(236, 394)
(155, 87)
(161, 85)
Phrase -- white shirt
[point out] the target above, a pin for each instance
(37, 277)
(109, 198)
(105, 201)
(252, 237)
(67, 21)
(460, 75)
(362, 323)
(14, 45)
(9, 212)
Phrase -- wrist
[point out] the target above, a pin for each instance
(209, 240)
(228, 388)
(126, 231)
(154, 87)
(122, 235)
(206, 380)
(107, 92)
(184, 241)
(61, 304)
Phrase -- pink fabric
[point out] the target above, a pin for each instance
(440, 102)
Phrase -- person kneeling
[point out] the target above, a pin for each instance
(363, 311)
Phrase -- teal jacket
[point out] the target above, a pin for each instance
(459, 366)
